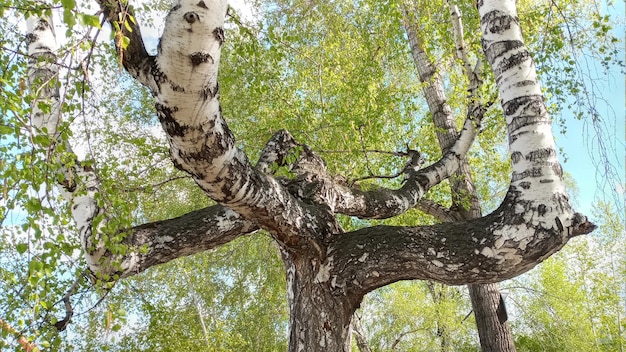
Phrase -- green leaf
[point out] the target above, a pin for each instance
(68, 4)
(125, 42)
(21, 248)
(89, 20)
(69, 18)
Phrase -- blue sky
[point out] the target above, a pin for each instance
(580, 143)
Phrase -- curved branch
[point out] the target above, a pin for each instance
(162, 241)
(534, 220)
(484, 250)
(131, 51)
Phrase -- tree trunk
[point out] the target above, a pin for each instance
(320, 314)
(493, 330)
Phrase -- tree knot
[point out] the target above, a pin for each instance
(581, 225)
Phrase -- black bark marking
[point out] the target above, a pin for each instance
(218, 33)
(158, 75)
(525, 83)
(542, 209)
(532, 172)
(191, 17)
(532, 105)
(558, 170)
(199, 58)
(170, 125)
(30, 38)
(209, 152)
(42, 25)
(497, 49)
(525, 184)
(523, 121)
(498, 21)
(512, 61)
(559, 224)
(541, 154)
(516, 157)
(175, 87)
(202, 4)
(175, 8)
(562, 201)
(546, 181)
(210, 92)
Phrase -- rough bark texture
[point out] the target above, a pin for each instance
(494, 332)
(329, 270)
(320, 314)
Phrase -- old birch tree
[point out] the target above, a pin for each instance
(328, 269)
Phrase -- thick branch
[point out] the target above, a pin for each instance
(534, 221)
(437, 210)
(159, 242)
(489, 249)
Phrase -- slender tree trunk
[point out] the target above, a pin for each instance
(495, 335)
(359, 335)
(493, 331)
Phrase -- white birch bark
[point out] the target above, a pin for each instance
(78, 184)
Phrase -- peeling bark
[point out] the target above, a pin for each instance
(320, 313)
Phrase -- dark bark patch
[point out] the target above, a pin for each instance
(158, 75)
(532, 172)
(514, 60)
(202, 4)
(218, 33)
(42, 25)
(498, 21)
(542, 209)
(532, 105)
(559, 224)
(199, 58)
(497, 49)
(175, 8)
(177, 164)
(210, 92)
(516, 157)
(170, 125)
(541, 154)
(525, 184)
(176, 87)
(558, 170)
(30, 38)
(191, 17)
(220, 145)
(525, 83)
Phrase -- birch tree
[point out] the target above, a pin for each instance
(328, 269)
